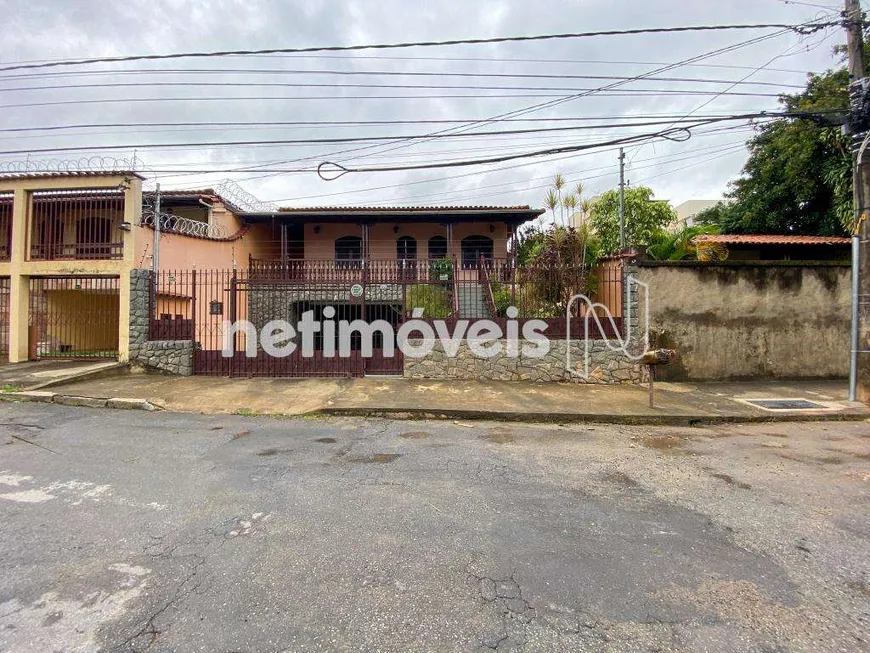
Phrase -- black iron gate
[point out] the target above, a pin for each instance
(205, 302)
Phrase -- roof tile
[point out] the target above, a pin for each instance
(770, 239)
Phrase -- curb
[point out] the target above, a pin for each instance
(592, 418)
(411, 414)
(45, 397)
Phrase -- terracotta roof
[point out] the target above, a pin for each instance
(770, 239)
(207, 193)
(73, 173)
(404, 209)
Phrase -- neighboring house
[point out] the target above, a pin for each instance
(70, 243)
(688, 211)
(761, 247)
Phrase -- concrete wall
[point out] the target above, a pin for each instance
(750, 320)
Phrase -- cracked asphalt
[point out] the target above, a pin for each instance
(131, 532)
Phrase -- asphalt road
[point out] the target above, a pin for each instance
(132, 531)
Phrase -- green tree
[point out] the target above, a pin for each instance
(644, 217)
(797, 179)
(678, 245)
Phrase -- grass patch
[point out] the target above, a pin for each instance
(10, 388)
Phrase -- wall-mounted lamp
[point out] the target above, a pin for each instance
(395, 229)
(125, 226)
(492, 228)
(317, 228)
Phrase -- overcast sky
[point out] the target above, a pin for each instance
(698, 168)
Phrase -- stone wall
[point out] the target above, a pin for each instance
(733, 320)
(173, 356)
(605, 366)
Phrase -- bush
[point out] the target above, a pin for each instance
(441, 269)
(433, 299)
(502, 297)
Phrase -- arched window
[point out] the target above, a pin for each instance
(406, 248)
(473, 247)
(94, 238)
(348, 251)
(437, 247)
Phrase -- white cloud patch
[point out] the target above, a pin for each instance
(50, 29)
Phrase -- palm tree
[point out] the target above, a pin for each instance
(552, 201)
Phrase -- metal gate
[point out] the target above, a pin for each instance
(203, 302)
(4, 318)
(74, 317)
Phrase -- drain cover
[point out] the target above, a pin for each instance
(785, 404)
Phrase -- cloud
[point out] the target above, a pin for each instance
(53, 29)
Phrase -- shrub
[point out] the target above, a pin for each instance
(441, 269)
(433, 299)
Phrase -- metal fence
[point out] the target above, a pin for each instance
(74, 317)
(196, 305)
(6, 203)
(77, 224)
(4, 317)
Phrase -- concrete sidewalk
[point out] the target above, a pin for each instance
(516, 401)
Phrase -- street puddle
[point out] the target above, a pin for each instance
(499, 436)
(414, 435)
(665, 444)
(375, 458)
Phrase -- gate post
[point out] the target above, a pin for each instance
(19, 285)
(19, 313)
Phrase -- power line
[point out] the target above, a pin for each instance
(351, 73)
(553, 103)
(355, 191)
(731, 149)
(427, 96)
(361, 139)
(361, 123)
(449, 87)
(731, 86)
(800, 29)
(356, 57)
(329, 171)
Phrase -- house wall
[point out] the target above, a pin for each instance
(182, 252)
(382, 239)
(739, 320)
(20, 268)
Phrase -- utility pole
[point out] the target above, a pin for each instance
(621, 199)
(155, 260)
(858, 128)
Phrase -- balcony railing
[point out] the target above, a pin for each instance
(77, 224)
(76, 251)
(353, 270)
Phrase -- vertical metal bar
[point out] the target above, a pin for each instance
(233, 317)
(193, 308)
(156, 258)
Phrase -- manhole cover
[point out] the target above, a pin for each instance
(785, 404)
